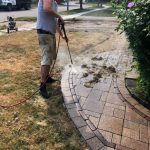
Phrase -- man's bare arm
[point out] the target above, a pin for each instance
(47, 6)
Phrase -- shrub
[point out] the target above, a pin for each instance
(135, 22)
(34, 1)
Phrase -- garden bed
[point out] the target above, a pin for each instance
(131, 86)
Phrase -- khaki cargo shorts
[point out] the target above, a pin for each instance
(47, 44)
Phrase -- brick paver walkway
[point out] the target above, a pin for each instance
(102, 110)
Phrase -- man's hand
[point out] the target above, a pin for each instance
(60, 21)
(62, 34)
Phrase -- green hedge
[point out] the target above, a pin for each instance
(34, 1)
(135, 22)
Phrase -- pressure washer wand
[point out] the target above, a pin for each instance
(62, 24)
(69, 52)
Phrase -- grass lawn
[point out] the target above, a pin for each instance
(74, 11)
(36, 124)
(29, 19)
(2, 27)
(102, 13)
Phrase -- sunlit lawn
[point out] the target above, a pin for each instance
(102, 13)
(37, 124)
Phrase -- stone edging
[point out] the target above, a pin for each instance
(88, 131)
(133, 104)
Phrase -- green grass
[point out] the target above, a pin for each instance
(74, 11)
(4, 74)
(102, 13)
(3, 27)
(93, 4)
(30, 19)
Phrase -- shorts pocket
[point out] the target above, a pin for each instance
(44, 39)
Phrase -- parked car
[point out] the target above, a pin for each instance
(15, 4)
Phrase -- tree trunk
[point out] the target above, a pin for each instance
(100, 3)
(81, 2)
(67, 5)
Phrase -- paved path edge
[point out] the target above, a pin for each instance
(79, 118)
(125, 96)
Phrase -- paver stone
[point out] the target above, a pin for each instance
(133, 144)
(111, 124)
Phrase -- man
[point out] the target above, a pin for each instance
(46, 29)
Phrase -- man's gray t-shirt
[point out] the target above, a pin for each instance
(44, 20)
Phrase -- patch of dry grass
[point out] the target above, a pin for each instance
(37, 124)
(19, 54)
(2, 27)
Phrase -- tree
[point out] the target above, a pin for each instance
(99, 3)
(67, 5)
(81, 4)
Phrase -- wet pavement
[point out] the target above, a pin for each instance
(100, 106)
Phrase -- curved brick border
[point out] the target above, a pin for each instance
(89, 132)
(125, 96)
(92, 136)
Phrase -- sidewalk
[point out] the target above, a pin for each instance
(83, 13)
(103, 111)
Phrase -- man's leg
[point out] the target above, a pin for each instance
(46, 45)
(44, 72)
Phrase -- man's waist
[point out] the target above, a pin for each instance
(41, 31)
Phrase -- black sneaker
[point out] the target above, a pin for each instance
(43, 92)
(50, 80)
